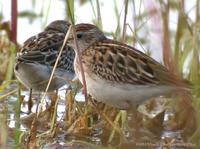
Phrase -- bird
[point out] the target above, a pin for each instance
(35, 61)
(37, 56)
(117, 74)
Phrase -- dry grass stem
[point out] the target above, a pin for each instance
(81, 65)
(3, 97)
(54, 68)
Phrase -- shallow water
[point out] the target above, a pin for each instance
(152, 127)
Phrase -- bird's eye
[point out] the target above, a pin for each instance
(79, 35)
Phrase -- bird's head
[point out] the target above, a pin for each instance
(86, 35)
(58, 26)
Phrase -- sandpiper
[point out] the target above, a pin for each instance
(118, 74)
(35, 61)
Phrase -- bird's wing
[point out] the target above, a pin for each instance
(121, 63)
(44, 48)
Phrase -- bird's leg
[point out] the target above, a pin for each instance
(53, 100)
(136, 118)
(30, 102)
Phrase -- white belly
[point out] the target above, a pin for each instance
(122, 96)
(36, 76)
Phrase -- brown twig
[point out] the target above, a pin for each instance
(99, 14)
(54, 68)
(81, 65)
(167, 55)
(124, 23)
(13, 34)
(197, 11)
(179, 31)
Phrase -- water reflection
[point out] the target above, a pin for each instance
(150, 125)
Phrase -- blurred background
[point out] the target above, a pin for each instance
(166, 30)
(34, 15)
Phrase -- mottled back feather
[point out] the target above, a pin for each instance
(44, 48)
(121, 63)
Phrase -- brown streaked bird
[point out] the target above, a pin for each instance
(35, 61)
(118, 74)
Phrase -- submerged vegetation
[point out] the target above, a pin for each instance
(62, 120)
